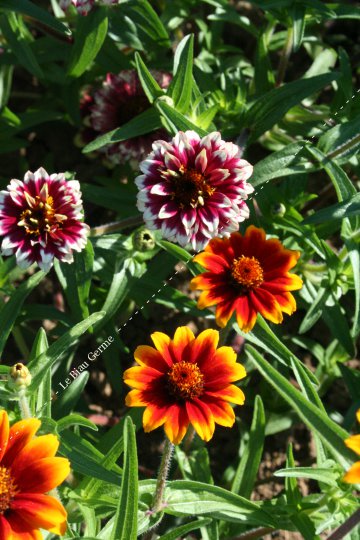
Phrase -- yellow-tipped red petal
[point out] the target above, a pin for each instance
(41, 511)
(176, 424)
(231, 393)
(43, 475)
(212, 262)
(20, 434)
(154, 417)
(182, 337)
(148, 356)
(141, 377)
(201, 417)
(136, 398)
(266, 304)
(353, 443)
(222, 412)
(162, 342)
(4, 432)
(41, 447)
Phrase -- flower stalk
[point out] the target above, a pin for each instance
(116, 226)
(162, 476)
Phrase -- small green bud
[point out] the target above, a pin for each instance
(143, 240)
(278, 209)
(19, 376)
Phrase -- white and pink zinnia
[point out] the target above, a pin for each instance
(193, 189)
(40, 219)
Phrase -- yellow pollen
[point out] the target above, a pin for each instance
(40, 217)
(190, 188)
(7, 489)
(247, 272)
(185, 381)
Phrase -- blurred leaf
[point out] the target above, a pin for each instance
(147, 26)
(66, 401)
(75, 280)
(347, 208)
(43, 397)
(248, 468)
(11, 309)
(330, 433)
(143, 123)
(6, 77)
(354, 256)
(117, 293)
(180, 88)
(266, 111)
(75, 420)
(174, 534)
(326, 476)
(315, 311)
(297, 12)
(29, 8)
(89, 36)
(125, 525)
(341, 138)
(12, 30)
(264, 79)
(43, 362)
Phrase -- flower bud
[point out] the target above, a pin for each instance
(19, 376)
(143, 240)
(278, 209)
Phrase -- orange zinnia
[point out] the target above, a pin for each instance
(249, 275)
(185, 380)
(28, 470)
(353, 474)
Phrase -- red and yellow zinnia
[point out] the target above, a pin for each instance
(185, 380)
(28, 470)
(247, 275)
(353, 442)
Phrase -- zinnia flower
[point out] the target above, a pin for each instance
(28, 470)
(120, 99)
(84, 6)
(40, 219)
(247, 275)
(194, 189)
(185, 380)
(353, 474)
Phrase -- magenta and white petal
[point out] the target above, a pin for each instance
(41, 219)
(193, 188)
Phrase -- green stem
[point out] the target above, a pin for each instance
(132, 221)
(285, 55)
(24, 404)
(162, 476)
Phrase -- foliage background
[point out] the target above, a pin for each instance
(279, 78)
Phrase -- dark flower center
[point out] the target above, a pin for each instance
(7, 489)
(247, 272)
(40, 216)
(190, 188)
(185, 381)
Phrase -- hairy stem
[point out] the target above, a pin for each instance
(162, 476)
(24, 404)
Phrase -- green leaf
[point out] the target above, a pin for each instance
(143, 123)
(43, 362)
(13, 31)
(86, 459)
(174, 534)
(180, 254)
(125, 526)
(315, 311)
(11, 309)
(90, 34)
(271, 107)
(116, 295)
(176, 120)
(264, 79)
(354, 256)
(149, 84)
(330, 433)
(342, 138)
(326, 476)
(346, 209)
(75, 280)
(24, 7)
(180, 88)
(184, 497)
(43, 401)
(75, 420)
(297, 12)
(6, 77)
(248, 468)
(66, 401)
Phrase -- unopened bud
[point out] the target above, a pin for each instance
(143, 240)
(278, 209)
(19, 376)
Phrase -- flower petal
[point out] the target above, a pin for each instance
(141, 377)
(4, 432)
(177, 423)
(182, 337)
(201, 417)
(20, 434)
(41, 511)
(38, 448)
(353, 443)
(231, 393)
(245, 313)
(162, 342)
(43, 475)
(154, 416)
(266, 304)
(353, 474)
(148, 356)
(203, 348)
(212, 262)
(222, 412)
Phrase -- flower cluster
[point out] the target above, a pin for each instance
(40, 219)
(193, 189)
(29, 470)
(185, 380)
(120, 99)
(247, 275)
(84, 6)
